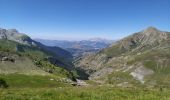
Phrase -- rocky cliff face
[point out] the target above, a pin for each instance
(14, 35)
(141, 57)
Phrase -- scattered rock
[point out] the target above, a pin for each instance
(140, 73)
(7, 59)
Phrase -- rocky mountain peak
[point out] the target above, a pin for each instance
(13, 30)
(154, 34)
(147, 37)
(151, 31)
(15, 35)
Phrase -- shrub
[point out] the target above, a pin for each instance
(3, 83)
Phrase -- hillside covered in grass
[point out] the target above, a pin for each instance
(19, 54)
(84, 93)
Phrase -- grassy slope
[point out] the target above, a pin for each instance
(23, 87)
(158, 61)
(33, 81)
(84, 93)
(36, 57)
(14, 47)
(155, 57)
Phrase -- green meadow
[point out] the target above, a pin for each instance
(23, 87)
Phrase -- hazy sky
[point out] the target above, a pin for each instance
(81, 19)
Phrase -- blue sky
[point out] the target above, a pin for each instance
(82, 19)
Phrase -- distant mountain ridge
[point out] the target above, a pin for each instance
(78, 48)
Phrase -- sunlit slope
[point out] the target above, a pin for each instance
(20, 54)
(141, 58)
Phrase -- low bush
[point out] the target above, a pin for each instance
(3, 83)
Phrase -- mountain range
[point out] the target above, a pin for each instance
(141, 59)
(78, 48)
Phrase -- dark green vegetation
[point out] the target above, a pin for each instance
(34, 81)
(3, 83)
